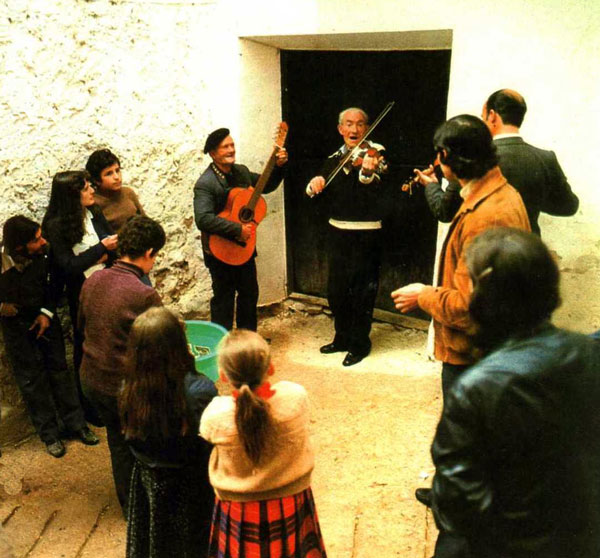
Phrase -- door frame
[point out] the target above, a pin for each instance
(260, 54)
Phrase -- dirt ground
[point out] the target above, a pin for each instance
(372, 426)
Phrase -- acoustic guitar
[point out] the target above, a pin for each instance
(246, 205)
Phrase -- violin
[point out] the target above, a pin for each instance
(414, 179)
(358, 156)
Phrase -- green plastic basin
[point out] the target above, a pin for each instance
(203, 339)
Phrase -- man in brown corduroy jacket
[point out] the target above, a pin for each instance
(466, 154)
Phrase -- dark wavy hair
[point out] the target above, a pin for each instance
(139, 235)
(152, 401)
(98, 161)
(65, 207)
(470, 151)
(244, 357)
(509, 104)
(17, 232)
(515, 285)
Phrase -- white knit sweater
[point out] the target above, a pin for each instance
(288, 462)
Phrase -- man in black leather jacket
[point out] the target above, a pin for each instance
(517, 450)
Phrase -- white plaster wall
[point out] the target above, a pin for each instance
(260, 89)
(78, 76)
(151, 79)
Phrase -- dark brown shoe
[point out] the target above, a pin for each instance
(56, 448)
(87, 436)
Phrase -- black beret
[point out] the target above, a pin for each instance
(215, 138)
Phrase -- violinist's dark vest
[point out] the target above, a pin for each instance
(350, 200)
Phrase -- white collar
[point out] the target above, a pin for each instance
(510, 135)
(466, 189)
(7, 262)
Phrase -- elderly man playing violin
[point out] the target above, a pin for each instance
(355, 234)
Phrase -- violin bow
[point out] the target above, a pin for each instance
(350, 154)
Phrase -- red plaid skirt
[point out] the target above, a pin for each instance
(280, 528)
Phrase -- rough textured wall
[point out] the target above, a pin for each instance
(78, 75)
(83, 75)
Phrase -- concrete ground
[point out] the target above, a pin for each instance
(372, 427)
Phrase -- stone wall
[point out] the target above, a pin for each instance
(80, 75)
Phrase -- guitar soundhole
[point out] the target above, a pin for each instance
(246, 214)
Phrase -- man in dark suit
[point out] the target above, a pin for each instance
(534, 172)
(210, 196)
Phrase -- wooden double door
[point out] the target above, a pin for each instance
(316, 86)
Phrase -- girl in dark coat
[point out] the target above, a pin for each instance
(170, 497)
(81, 241)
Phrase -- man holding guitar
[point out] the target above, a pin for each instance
(352, 191)
(227, 209)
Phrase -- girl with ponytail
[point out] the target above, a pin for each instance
(262, 459)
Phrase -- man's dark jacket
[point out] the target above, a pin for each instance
(30, 289)
(210, 197)
(537, 175)
(534, 172)
(517, 450)
(443, 203)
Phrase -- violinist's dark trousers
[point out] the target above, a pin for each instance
(354, 260)
(40, 370)
(227, 280)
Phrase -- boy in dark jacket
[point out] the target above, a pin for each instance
(33, 336)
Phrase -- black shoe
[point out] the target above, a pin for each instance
(424, 496)
(87, 436)
(93, 418)
(352, 358)
(331, 348)
(56, 448)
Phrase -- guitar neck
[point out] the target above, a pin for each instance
(262, 181)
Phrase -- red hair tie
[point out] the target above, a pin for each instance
(263, 391)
